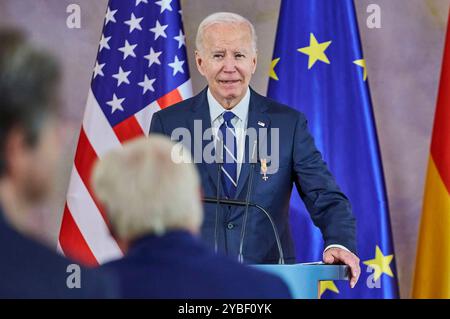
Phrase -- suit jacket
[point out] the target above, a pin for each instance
(30, 270)
(300, 164)
(178, 266)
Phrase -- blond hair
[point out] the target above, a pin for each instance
(145, 191)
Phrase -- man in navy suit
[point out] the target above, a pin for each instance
(152, 199)
(224, 114)
(28, 149)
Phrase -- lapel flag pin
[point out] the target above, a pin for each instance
(261, 124)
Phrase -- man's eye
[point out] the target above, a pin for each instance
(217, 56)
(239, 56)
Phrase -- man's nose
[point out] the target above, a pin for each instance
(229, 64)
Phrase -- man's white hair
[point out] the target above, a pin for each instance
(219, 18)
(145, 191)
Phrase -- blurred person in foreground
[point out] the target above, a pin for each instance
(152, 199)
(29, 150)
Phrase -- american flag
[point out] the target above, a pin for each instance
(141, 67)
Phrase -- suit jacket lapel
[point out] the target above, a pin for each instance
(200, 112)
(257, 119)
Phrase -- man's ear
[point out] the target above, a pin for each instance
(199, 62)
(255, 61)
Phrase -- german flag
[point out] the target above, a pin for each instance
(432, 274)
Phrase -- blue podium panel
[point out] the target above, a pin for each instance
(303, 279)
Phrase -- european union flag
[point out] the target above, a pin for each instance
(318, 68)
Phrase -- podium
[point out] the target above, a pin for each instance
(303, 279)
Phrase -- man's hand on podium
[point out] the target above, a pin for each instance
(337, 255)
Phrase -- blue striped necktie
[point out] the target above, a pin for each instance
(229, 167)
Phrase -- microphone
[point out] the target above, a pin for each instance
(234, 202)
(219, 162)
(247, 200)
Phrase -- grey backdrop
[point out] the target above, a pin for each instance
(403, 58)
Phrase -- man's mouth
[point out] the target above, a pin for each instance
(229, 81)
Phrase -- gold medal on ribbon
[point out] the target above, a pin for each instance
(264, 169)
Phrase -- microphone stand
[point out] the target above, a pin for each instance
(247, 200)
(234, 202)
(219, 159)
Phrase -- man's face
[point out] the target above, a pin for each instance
(227, 61)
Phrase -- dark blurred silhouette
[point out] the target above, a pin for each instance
(28, 153)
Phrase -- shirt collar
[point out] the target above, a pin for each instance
(240, 110)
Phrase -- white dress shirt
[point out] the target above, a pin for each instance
(239, 122)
